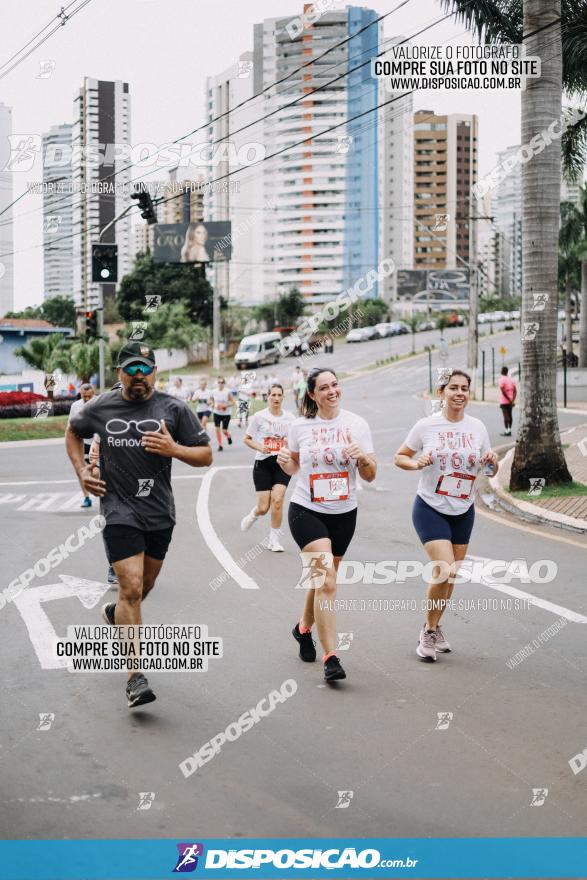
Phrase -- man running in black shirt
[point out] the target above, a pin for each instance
(141, 430)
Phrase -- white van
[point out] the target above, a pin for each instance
(258, 350)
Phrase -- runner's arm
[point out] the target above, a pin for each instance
(404, 459)
(195, 456)
(288, 461)
(253, 444)
(367, 467)
(87, 473)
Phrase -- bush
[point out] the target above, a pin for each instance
(16, 398)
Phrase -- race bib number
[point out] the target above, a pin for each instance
(273, 444)
(329, 486)
(455, 485)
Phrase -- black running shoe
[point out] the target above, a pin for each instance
(220, 449)
(108, 612)
(138, 691)
(333, 671)
(230, 441)
(307, 644)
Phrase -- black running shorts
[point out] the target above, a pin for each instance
(308, 525)
(267, 473)
(125, 541)
(221, 421)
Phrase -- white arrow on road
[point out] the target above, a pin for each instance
(40, 629)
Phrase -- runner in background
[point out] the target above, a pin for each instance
(176, 389)
(264, 386)
(222, 402)
(87, 392)
(295, 382)
(246, 393)
(201, 396)
(266, 434)
(301, 386)
(448, 448)
(326, 447)
(507, 400)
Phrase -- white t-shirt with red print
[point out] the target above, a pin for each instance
(327, 478)
(269, 430)
(448, 484)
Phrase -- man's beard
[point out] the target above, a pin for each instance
(134, 390)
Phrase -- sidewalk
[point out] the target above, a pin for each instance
(569, 512)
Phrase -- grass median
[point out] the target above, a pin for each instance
(32, 429)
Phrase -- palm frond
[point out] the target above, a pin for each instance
(574, 150)
(490, 20)
(574, 40)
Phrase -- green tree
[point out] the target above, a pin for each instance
(173, 282)
(44, 353)
(59, 311)
(368, 312)
(554, 31)
(81, 358)
(569, 266)
(169, 327)
(285, 311)
(413, 322)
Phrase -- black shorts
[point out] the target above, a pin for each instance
(433, 525)
(221, 420)
(308, 525)
(204, 414)
(267, 473)
(124, 541)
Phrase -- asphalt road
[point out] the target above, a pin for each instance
(377, 735)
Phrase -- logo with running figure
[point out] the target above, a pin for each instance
(315, 565)
(145, 486)
(187, 861)
(539, 795)
(344, 800)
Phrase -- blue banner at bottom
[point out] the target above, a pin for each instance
(533, 857)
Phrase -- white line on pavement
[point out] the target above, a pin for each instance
(211, 538)
(559, 610)
(64, 482)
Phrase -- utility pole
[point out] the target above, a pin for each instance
(473, 328)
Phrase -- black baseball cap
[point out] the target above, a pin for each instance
(136, 353)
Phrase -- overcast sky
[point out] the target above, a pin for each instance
(165, 49)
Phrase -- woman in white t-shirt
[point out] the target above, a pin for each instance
(326, 447)
(448, 448)
(266, 434)
(222, 401)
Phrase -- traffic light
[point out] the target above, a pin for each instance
(146, 206)
(104, 263)
(92, 325)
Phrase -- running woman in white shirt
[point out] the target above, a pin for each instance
(202, 398)
(326, 448)
(222, 401)
(266, 434)
(448, 448)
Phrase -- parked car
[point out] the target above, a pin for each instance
(356, 335)
(370, 332)
(455, 320)
(258, 350)
(427, 325)
(383, 329)
(398, 328)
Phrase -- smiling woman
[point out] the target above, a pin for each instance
(449, 448)
(326, 447)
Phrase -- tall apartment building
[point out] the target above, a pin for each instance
(57, 212)
(324, 231)
(396, 182)
(6, 217)
(238, 198)
(507, 210)
(445, 168)
(101, 120)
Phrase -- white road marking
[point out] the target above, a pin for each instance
(40, 629)
(559, 610)
(69, 482)
(211, 538)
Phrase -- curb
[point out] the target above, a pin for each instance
(530, 512)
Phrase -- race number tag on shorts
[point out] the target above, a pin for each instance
(456, 485)
(329, 486)
(273, 444)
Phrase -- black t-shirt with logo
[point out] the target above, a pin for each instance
(138, 483)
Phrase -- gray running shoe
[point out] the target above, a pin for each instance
(426, 649)
(441, 643)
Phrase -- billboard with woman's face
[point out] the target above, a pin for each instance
(196, 242)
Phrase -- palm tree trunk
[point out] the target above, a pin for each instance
(539, 452)
(583, 317)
